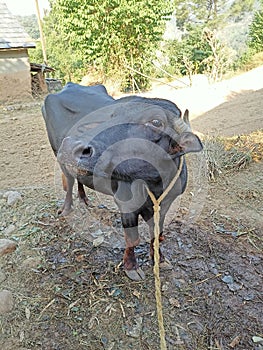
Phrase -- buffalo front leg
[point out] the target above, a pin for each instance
(131, 267)
(68, 183)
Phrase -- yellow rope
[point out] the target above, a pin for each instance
(156, 268)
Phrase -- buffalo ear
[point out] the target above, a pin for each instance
(189, 142)
(70, 104)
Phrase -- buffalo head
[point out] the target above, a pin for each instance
(137, 141)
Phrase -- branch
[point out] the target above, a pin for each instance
(147, 76)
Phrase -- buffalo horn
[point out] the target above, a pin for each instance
(180, 126)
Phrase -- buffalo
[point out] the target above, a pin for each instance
(120, 147)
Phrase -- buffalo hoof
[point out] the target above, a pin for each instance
(64, 211)
(135, 275)
(84, 200)
(166, 265)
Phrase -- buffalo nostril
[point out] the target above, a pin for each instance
(88, 151)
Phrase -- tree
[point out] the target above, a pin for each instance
(60, 56)
(113, 36)
(198, 12)
(36, 54)
(239, 9)
(30, 25)
(203, 46)
(256, 31)
(199, 52)
(219, 60)
(212, 13)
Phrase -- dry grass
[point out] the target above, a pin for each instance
(228, 154)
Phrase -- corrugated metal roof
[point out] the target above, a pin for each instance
(12, 34)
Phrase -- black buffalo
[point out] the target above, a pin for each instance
(119, 147)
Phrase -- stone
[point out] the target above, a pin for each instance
(6, 301)
(257, 339)
(6, 194)
(7, 246)
(11, 228)
(228, 279)
(174, 302)
(31, 262)
(13, 197)
(135, 330)
(2, 276)
(234, 286)
(98, 241)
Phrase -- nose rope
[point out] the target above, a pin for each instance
(156, 268)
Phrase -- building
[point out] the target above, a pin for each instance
(15, 77)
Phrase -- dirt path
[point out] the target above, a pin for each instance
(230, 107)
(241, 114)
(26, 157)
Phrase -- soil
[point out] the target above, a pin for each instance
(66, 275)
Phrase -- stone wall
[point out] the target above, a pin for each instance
(15, 78)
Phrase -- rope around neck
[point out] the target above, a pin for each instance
(156, 268)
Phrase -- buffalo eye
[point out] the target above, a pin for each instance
(156, 123)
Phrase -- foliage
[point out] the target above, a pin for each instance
(256, 31)
(197, 11)
(116, 40)
(212, 13)
(192, 48)
(110, 36)
(66, 62)
(201, 48)
(219, 60)
(36, 55)
(198, 52)
(30, 24)
(235, 35)
(249, 60)
(61, 56)
(239, 9)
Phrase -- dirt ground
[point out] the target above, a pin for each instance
(66, 276)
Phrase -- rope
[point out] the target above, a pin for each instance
(156, 268)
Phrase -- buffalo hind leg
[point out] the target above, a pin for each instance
(82, 195)
(164, 262)
(162, 258)
(148, 218)
(68, 183)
